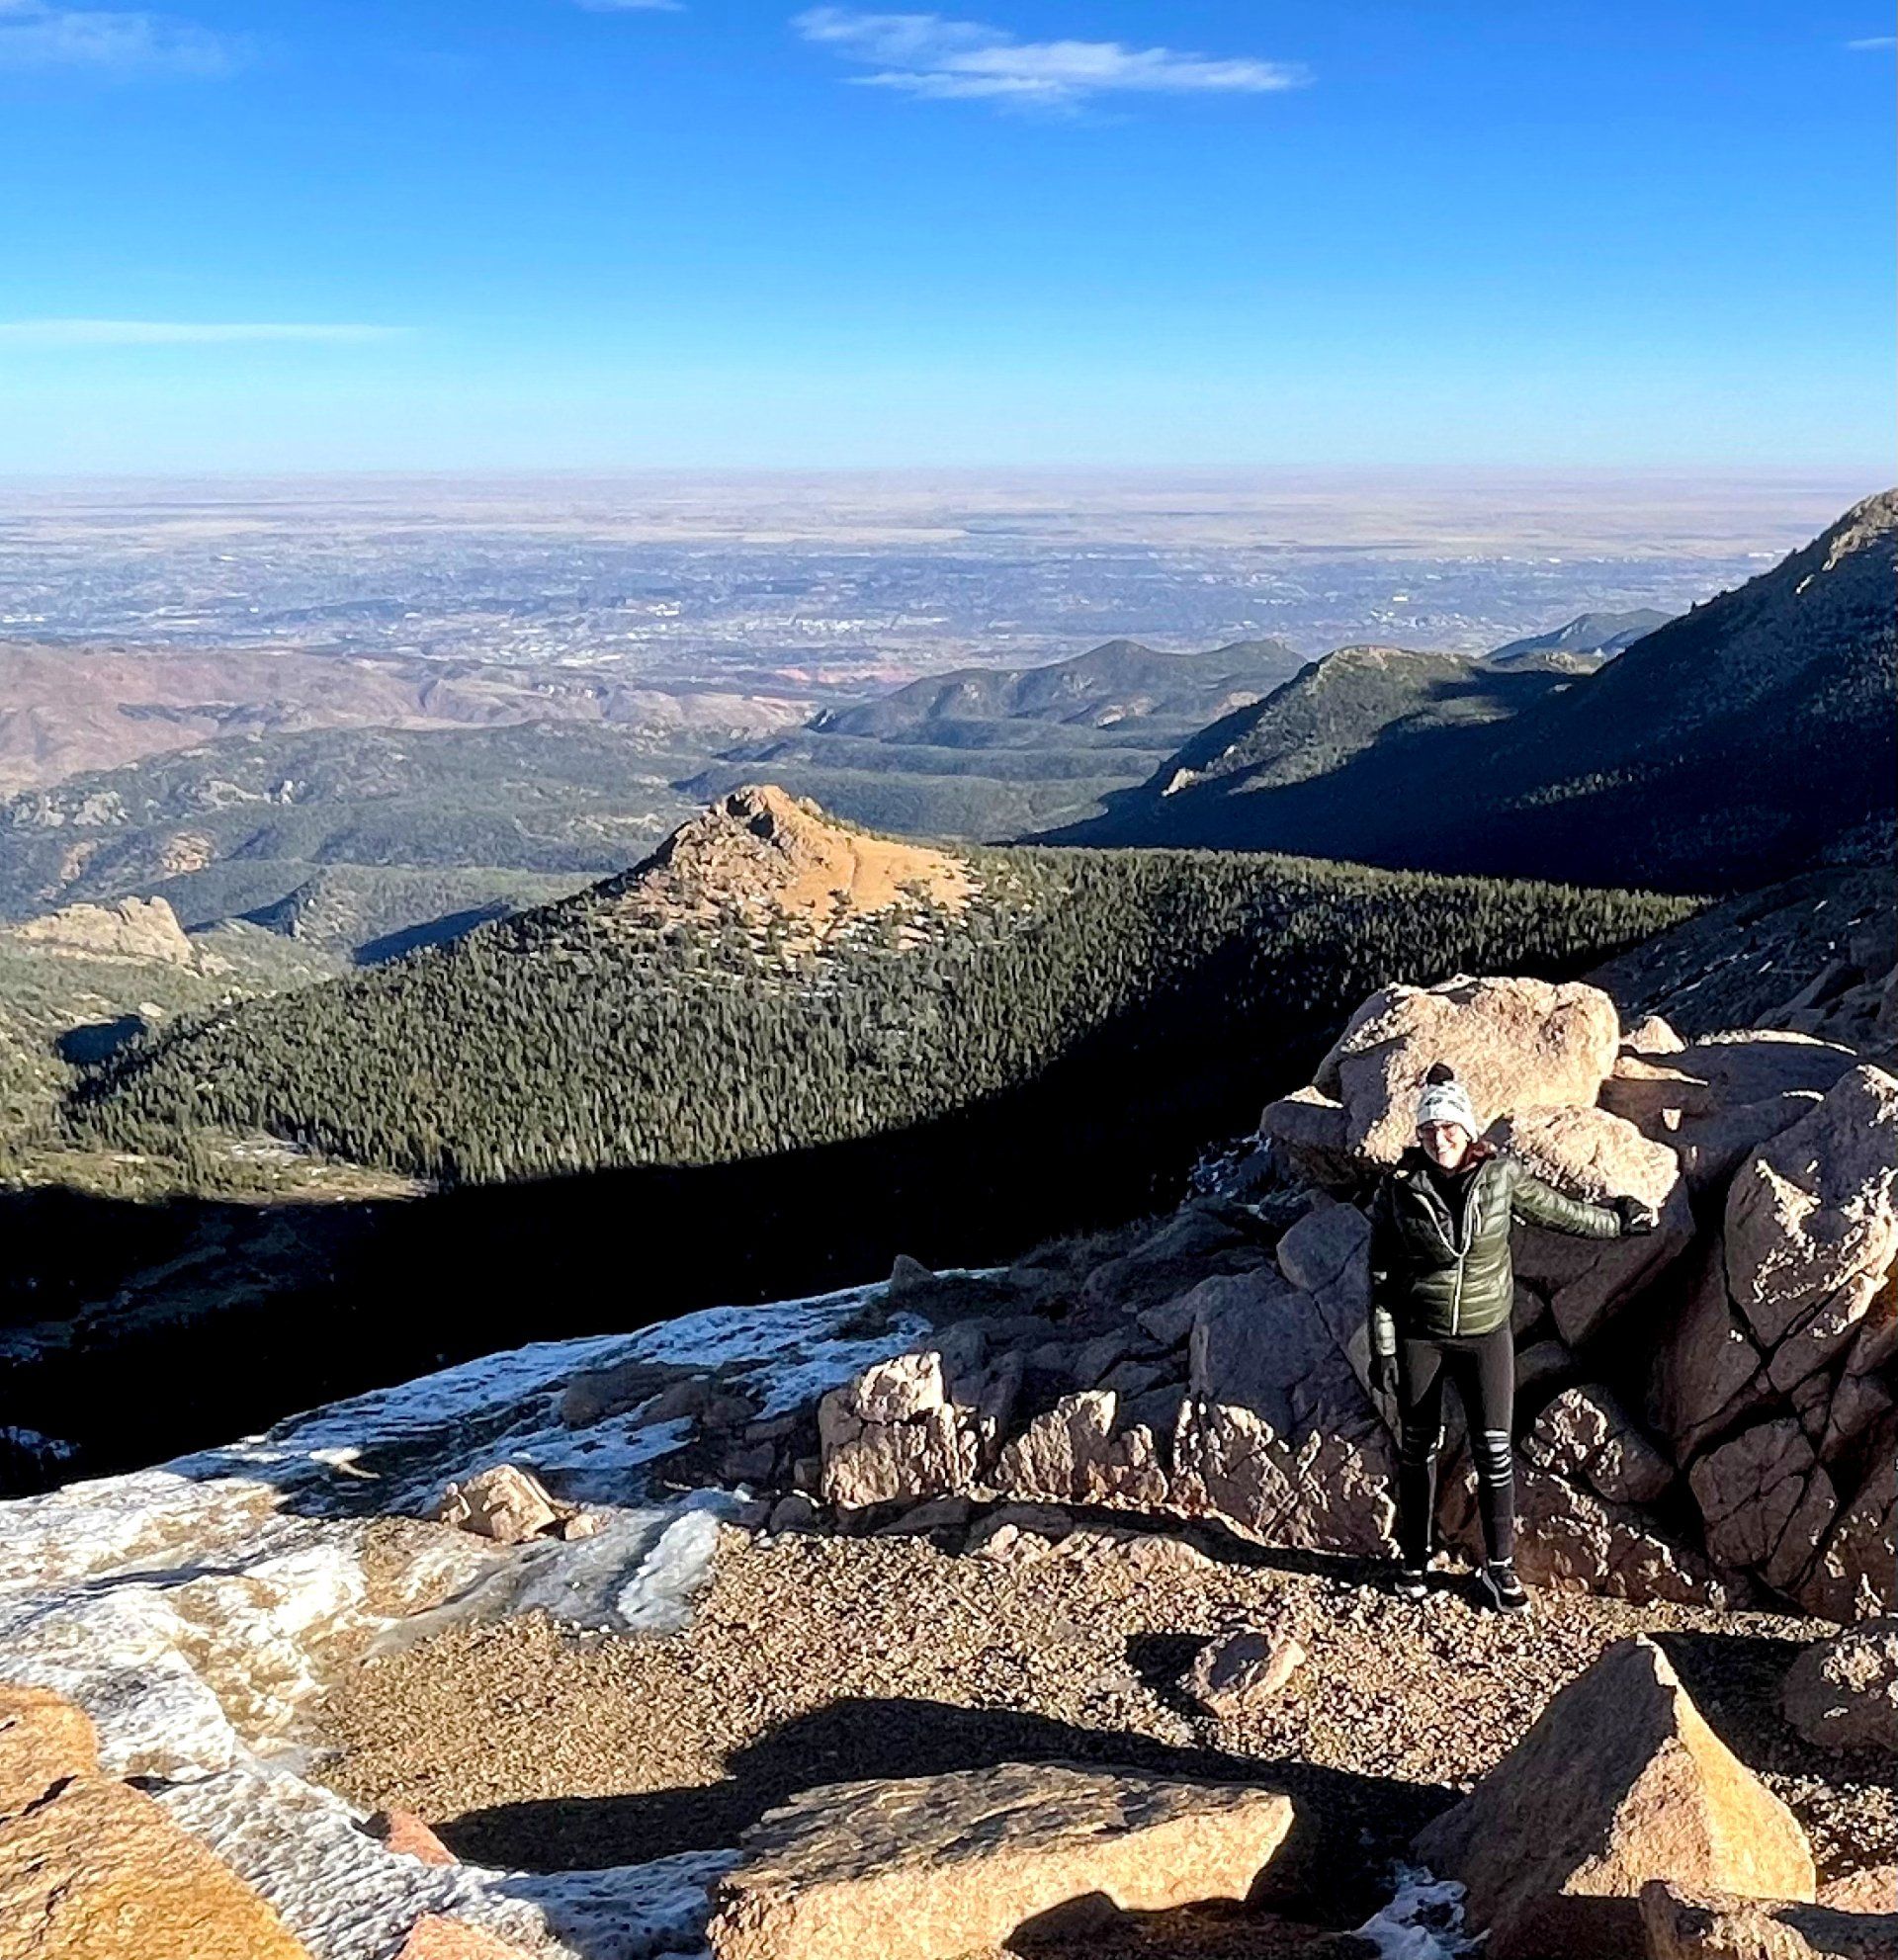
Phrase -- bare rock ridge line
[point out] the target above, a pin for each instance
(126, 929)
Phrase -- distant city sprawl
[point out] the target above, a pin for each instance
(831, 582)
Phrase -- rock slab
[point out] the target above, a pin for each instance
(1619, 1781)
(43, 1739)
(1242, 1670)
(439, 1939)
(1843, 1693)
(506, 1503)
(1513, 1043)
(98, 1871)
(928, 1867)
(1872, 1889)
(403, 1831)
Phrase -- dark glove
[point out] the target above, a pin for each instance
(1636, 1217)
(1384, 1375)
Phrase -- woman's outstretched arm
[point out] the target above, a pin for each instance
(1536, 1203)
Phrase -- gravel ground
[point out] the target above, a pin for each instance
(814, 1660)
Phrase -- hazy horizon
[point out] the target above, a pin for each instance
(781, 583)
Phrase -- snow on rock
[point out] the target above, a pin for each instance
(1423, 1919)
(192, 1609)
(626, 1911)
(421, 1435)
(635, 1574)
(347, 1897)
(186, 1657)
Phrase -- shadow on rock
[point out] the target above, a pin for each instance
(1325, 1858)
(1735, 1680)
(1097, 1928)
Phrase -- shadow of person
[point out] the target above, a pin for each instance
(1093, 1928)
(1344, 1823)
(855, 1737)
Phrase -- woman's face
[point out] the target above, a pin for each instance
(1446, 1144)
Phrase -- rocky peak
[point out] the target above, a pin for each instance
(760, 852)
(1372, 657)
(126, 929)
(1873, 522)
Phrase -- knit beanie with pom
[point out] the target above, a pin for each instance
(1446, 1100)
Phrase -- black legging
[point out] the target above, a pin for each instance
(1483, 1367)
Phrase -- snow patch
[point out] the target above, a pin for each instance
(1423, 1919)
(347, 1897)
(444, 1427)
(657, 1598)
(636, 1573)
(193, 1609)
(185, 1664)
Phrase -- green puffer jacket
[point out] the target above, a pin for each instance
(1423, 1282)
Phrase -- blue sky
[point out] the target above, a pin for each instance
(541, 233)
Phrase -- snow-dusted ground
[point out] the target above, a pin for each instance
(190, 1609)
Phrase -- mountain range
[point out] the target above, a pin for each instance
(995, 752)
(395, 827)
(66, 709)
(359, 837)
(1106, 687)
(1747, 740)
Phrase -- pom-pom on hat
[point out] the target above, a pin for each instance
(1444, 1099)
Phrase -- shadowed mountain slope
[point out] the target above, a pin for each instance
(1747, 740)
(1348, 702)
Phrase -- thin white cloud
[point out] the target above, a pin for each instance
(179, 333)
(36, 36)
(945, 61)
(1873, 41)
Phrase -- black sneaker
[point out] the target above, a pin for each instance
(1411, 1582)
(1502, 1591)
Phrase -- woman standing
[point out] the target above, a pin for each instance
(1443, 1286)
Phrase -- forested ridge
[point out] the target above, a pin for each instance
(1747, 741)
(585, 1035)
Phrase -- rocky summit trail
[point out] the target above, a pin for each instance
(1073, 1572)
(816, 1658)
